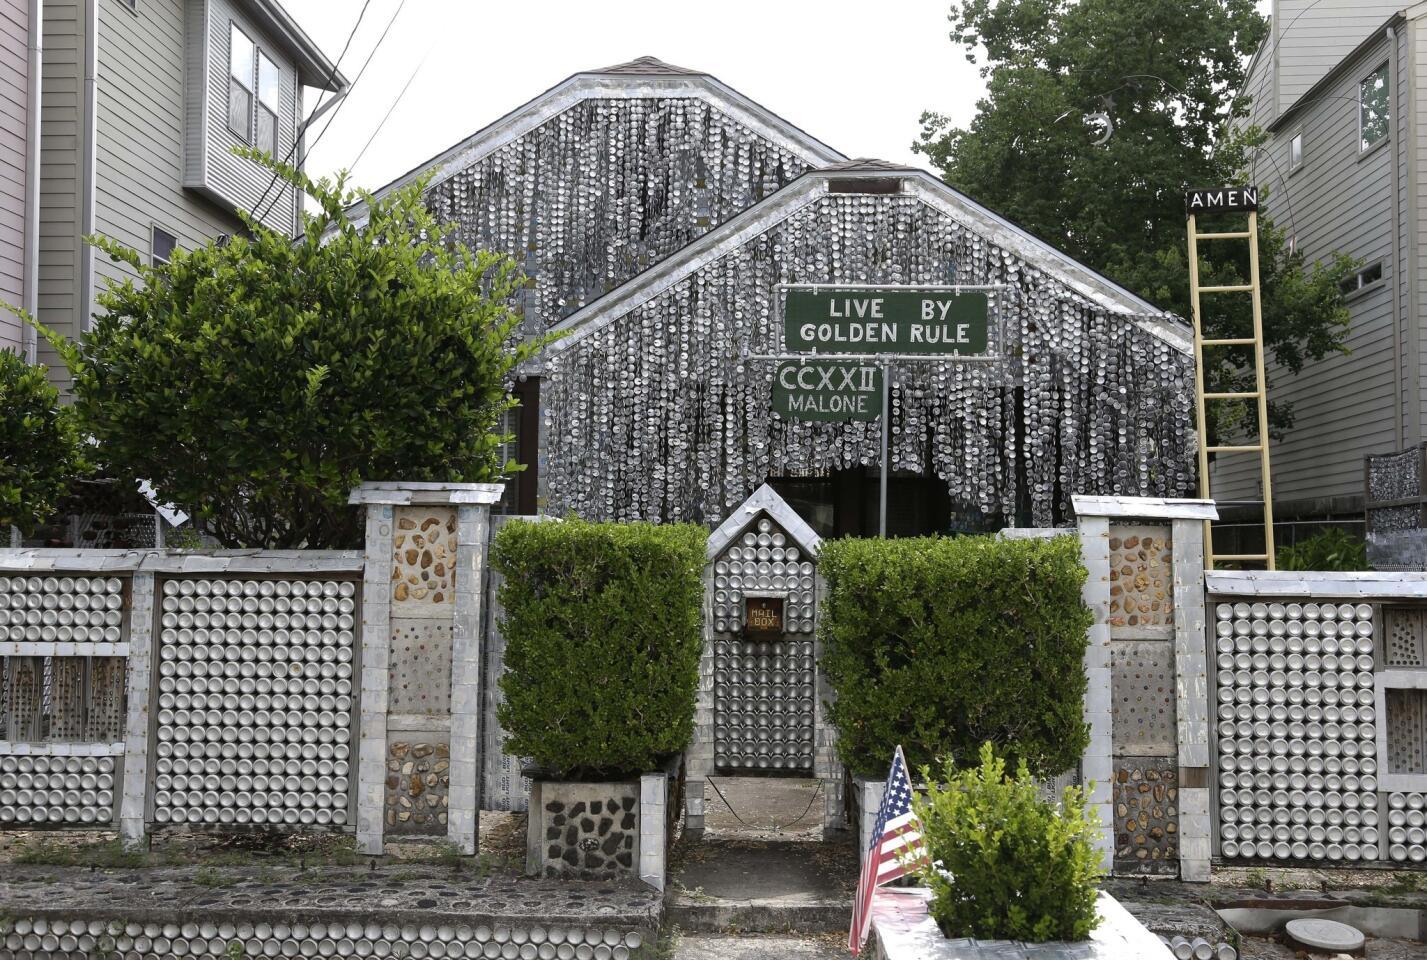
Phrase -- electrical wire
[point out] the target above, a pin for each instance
(297, 136)
(391, 109)
(355, 80)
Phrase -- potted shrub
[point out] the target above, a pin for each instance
(602, 624)
(941, 644)
(1007, 863)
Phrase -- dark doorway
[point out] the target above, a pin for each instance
(846, 505)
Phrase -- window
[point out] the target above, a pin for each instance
(1295, 152)
(161, 247)
(241, 53)
(1374, 108)
(1364, 278)
(269, 102)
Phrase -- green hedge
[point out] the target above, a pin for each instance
(943, 644)
(603, 631)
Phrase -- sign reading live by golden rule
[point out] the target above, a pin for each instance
(886, 320)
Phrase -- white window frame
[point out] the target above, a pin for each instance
(1295, 145)
(154, 231)
(260, 99)
(1364, 148)
(1361, 285)
(250, 84)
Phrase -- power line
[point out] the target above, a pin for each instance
(390, 110)
(355, 80)
(297, 134)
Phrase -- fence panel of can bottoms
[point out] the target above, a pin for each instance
(62, 694)
(256, 702)
(1296, 730)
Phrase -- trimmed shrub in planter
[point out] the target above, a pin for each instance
(941, 644)
(1007, 863)
(603, 636)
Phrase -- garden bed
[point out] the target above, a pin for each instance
(903, 930)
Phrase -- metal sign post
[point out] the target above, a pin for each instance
(845, 323)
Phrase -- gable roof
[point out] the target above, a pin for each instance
(641, 79)
(764, 500)
(921, 184)
(313, 67)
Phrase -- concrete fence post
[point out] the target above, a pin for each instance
(425, 576)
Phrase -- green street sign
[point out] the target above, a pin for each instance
(887, 320)
(828, 390)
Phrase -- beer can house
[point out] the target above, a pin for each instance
(739, 303)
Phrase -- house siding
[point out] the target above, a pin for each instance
(14, 121)
(1312, 36)
(231, 178)
(139, 182)
(1339, 200)
(61, 165)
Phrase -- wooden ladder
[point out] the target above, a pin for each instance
(1259, 394)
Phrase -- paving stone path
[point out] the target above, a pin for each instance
(395, 894)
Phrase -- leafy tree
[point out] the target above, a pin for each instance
(40, 448)
(1161, 78)
(257, 382)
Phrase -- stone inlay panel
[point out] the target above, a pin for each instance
(255, 703)
(420, 666)
(418, 782)
(56, 790)
(1146, 800)
(1141, 581)
(62, 609)
(423, 575)
(1142, 688)
(764, 696)
(1296, 730)
(590, 831)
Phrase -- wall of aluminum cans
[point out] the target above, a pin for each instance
(52, 939)
(764, 687)
(254, 708)
(62, 696)
(607, 188)
(61, 609)
(44, 790)
(659, 416)
(1297, 718)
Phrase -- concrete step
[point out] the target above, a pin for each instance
(754, 947)
(802, 887)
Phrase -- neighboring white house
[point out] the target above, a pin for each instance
(1338, 86)
(118, 117)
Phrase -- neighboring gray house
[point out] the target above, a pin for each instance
(1338, 88)
(143, 101)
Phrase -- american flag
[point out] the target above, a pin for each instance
(896, 847)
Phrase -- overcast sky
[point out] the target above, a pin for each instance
(856, 76)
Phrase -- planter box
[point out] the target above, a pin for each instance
(602, 830)
(902, 930)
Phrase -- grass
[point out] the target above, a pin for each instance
(109, 854)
